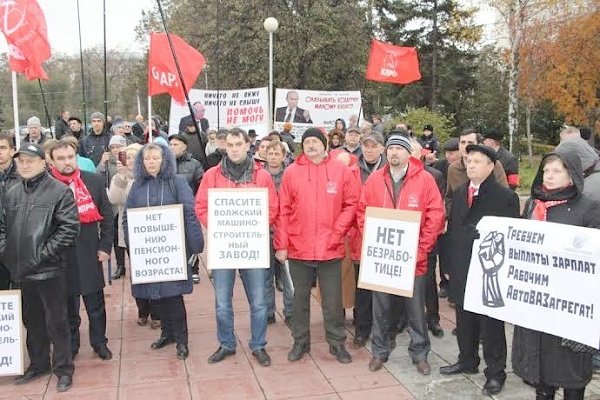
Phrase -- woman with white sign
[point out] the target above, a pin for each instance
(547, 361)
(156, 184)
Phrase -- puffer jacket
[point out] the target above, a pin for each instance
(537, 356)
(39, 224)
(164, 189)
(317, 206)
(191, 170)
(419, 192)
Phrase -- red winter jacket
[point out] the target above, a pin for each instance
(214, 178)
(418, 193)
(317, 205)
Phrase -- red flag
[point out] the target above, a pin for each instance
(394, 64)
(24, 25)
(162, 72)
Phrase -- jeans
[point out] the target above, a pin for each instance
(254, 285)
(288, 290)
(96, 311)
(417, 326)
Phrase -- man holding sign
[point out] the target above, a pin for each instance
(403, 184)
(238, 170)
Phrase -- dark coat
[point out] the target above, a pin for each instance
(7, 180)
(93, 146)
(280, 114)
(43, 211)
(492, 199)
(537, 356)
(149, 191)
(84, 272)
(191, 170)
(187, 120)
(60, 128)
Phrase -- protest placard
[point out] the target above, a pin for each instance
(314, 108)
(238, 228)
(243, 108)
(11, 334)
(157, 244)
(539, 275)
(389, 251)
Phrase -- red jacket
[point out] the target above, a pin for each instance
(317, 205)
(214, 178)
(418, 193)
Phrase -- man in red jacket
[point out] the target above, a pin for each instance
(238, 170)
(403, 184)
(318, 199)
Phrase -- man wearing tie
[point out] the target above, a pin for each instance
(292, 113)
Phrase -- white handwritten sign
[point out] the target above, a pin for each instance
(11, 333)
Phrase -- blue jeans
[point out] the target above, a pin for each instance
(288, 288)
(254, 285)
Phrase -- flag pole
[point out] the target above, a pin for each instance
(105, 81)
(150, 140)
(139, 106)
(16, 110)
(217, 52)
(82, 75)
(45, 105)
(185, 89)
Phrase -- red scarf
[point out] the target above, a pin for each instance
(88, 212)
(540, 210)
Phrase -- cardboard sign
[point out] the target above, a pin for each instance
(12, 335)
(389, 251)
(157, 244)
(238, 228)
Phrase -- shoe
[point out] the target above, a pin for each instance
(423, 367)
(443, 293)
(271, 319)
(142, 321)
(154, 324)
(182, 351)
(64, 383)
(340, 353)
(359, 341)
(30, 375)
(162, 342)
(262, 357)
(298, 351)
(436, 330)
(492, 386)
(219, 355)
(376, 364)
(288, 322)
(196, 279)
(457, 368)
(103, 352)
(119, 272)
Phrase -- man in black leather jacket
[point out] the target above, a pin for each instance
(38, 224)
(187, 166)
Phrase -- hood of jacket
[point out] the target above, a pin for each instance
(586, 153)
(168, 167)
(573, 164)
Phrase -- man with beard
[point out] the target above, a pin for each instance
(85, 276)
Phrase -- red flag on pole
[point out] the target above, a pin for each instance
(394, 64)
(162, 72)
(24, 25)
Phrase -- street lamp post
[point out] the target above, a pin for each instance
(271, 24)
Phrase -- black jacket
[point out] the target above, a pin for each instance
(214, 159)
(93, 146)
(191, 170)
(537, 356)
(60, 128)
(38, 224)
(492, 199)
(8, 180)
(84, 272)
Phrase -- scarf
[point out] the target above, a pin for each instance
(544, 199)
(238, 173)
(88, 212)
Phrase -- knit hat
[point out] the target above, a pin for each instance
(398, 140)
(98, 115)
(485, 150)
(117, 140)
(581, 148)
(314, 132)
(179, 137)
(34, 121)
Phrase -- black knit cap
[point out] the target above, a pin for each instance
(179, 137)
(314, 132)
(487, 151)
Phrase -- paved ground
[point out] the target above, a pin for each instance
(137, 372)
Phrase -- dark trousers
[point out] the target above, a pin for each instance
(398, 318)
(432, 304)
(119, 251)
(45, 318)
(4, 278)
(329, 274)
(545, 392)
(174, 318)
(363, 308)
(96, 311)
(148, 308)
(383, 306)
(468, 328)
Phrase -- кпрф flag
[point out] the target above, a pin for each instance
(162, 72)
(24, 25)
(393, 64)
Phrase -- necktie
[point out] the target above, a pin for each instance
(470, 195)
(288, 116)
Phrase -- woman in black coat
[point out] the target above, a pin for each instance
(156, 184)
(537, 357)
